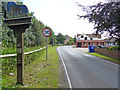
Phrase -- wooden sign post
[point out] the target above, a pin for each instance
(18, 25)
(46, 33)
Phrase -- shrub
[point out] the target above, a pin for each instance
(113, 48)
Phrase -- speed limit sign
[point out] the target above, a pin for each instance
(46, 32)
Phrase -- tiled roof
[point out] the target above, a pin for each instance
(109, 40)
(91, 35)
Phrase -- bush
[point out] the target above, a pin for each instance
(114, 48)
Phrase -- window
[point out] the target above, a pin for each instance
(78, 38)
(85, 44)
(89, 43)
(85, 38)
(82, 36)
(91, 38)
(97, 43)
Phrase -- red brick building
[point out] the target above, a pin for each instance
(84, 40)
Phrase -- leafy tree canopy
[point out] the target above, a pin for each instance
(106, 18)
(60, 38)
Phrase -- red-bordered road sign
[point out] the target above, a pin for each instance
(46, 32)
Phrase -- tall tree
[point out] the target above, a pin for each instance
(60, 38)
(74, 39)
(106, 18)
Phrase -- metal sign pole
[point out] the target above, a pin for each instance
(46, 47)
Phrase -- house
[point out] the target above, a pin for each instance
(67, 39)
(110, 42)
(84, 40)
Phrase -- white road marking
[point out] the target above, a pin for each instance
(68, 78)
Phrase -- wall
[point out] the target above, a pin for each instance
(110, 53)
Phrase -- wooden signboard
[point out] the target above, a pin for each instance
(17, 19)
(12, 10)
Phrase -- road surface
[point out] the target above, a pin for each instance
(86, 71)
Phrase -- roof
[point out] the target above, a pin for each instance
(109, 40)
(91, 35)
(78, 35)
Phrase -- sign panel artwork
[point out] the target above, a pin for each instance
(16, 11)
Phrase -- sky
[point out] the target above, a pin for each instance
(61, 15)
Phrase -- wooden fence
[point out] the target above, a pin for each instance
(13, 55)
(9, 61)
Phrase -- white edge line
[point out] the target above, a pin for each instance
(69, 82)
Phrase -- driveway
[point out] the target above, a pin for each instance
(82, 49)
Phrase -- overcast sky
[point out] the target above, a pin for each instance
(61, 15)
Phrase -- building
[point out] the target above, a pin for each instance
(67, 39)
(84, 40)
(110, 42)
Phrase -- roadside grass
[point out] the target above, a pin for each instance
(40, 73)
(105, 57)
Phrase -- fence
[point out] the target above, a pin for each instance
(111, 53)
(9, 61)
(13, 55)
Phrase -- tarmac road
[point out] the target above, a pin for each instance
(86, 71)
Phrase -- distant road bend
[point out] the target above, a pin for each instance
(86, 71)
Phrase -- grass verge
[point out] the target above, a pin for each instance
(106, 58)
(40, 73)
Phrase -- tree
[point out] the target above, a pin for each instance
(106, 18)
(74, 39)
(60, 38)
(32, 36)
